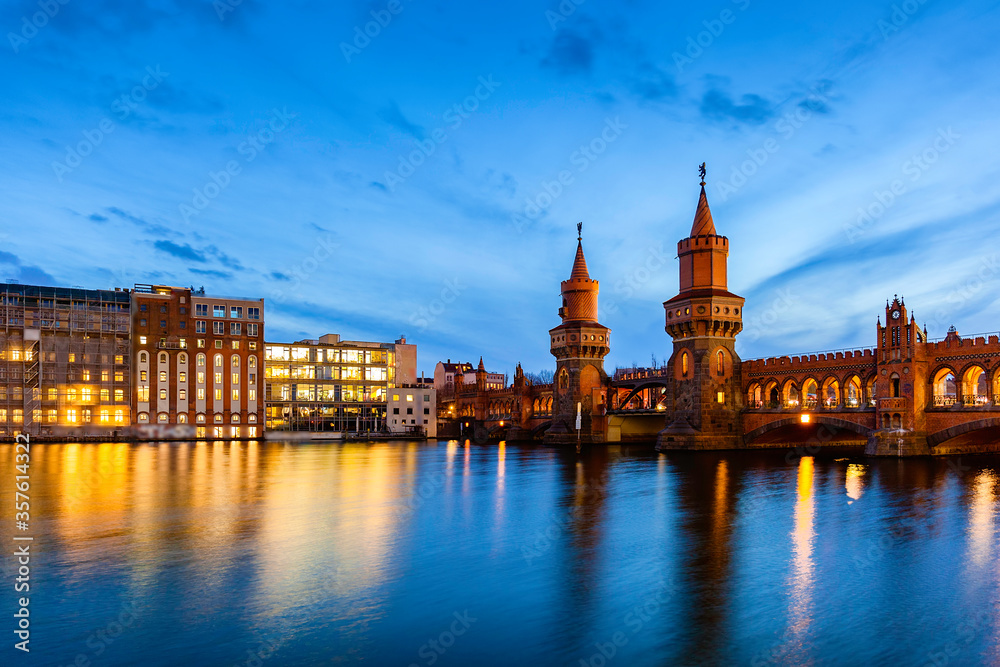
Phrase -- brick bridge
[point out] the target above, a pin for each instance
(906, 395)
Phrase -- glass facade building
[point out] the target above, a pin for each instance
(329, 385)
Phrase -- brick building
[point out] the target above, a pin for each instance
(197, 364)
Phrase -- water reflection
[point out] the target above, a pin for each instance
(357, 552)
(803, 568)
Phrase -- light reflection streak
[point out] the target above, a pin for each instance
(854, 483)
(982, 517)
(803, 568)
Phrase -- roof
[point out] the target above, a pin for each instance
(703, 224)
(579, 264)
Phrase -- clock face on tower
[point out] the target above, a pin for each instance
(895, 314)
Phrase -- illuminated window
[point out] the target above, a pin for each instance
(182, 358)
(119, 376)
(183, 394)
(105, 415)
(684, 364)
(218, 378)
(252, 362)
(236, 394)
(201, 359)
(235, 419)
(3, 414)
(71, 416)
(163, 394)
(119, 416)
(200, 418)
(218, 361)
(251, 394)
(142, 357)
(53, 394)
(86, 415)
(409, 398)
(105, 376)
(235, 361)
(17, 416)
(251, 431)
(201, 394)
(71, 394)
(163, 357)
(182, 418)
(182, 377)
(218, 418)
(163, 376)
(236, 378)
(218, 394)
(143, 394)
(217, 431)
(201, 378)
(142, 341)
(236, 344)
(85, 394)
(120, 395)
(201, 342)
(85, 376)
(142, 376)
(53, 415)
(252, 419)
(72, 357)
(236, 431)
(720, 397)
(163, 418)
(143, 417)
(105, 395)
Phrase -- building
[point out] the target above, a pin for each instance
(329, 385)
(196, 364)
(579, 345)
(413, 409)
(445, 373)
(64, 361)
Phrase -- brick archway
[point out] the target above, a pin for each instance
(815, 420)
(944, 435)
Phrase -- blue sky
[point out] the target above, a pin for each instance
(403, 182)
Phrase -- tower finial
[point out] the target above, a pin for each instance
(579, 231)
(701, 173)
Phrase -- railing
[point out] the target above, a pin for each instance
(945, 401)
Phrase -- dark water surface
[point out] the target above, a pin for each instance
(447, 554)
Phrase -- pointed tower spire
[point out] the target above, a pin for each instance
(482, 367)
(580, 263)
(703, 224)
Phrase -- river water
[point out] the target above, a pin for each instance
(461, 554)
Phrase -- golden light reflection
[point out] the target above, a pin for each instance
(854, 483)
(803, 567)
(982, 516)
(721, 506)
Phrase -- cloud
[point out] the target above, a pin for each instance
(212, 273)
(752, 109)
(223, 258)
(9, 258)
(30, 275)
(652, 84)
(150, 227)
(180, 251)
(394, 116)
(571, 52)
(278, 275)
(96, 217)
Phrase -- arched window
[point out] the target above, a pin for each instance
(684, 364)
(163, 357)
(201, 359)
(721, 363)
(182, 418)
(236, 361)
(182, 358)
(252, 362)
(563, 379)
(894, 383)
(143, 358)
(218, 361)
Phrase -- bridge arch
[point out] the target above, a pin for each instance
(648, 384)
(790, 394)
(853, 391)
(815, 421)
(810, 392)
(755, 395)
(830, 394)
(967, 433)
(974, 384)
(944, 386)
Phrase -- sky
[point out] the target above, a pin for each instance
(417, 168)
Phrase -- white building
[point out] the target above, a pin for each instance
(413, 409)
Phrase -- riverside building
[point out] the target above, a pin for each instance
(334, 386)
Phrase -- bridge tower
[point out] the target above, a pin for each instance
(705, 396)
(579, 345)
(901, 385)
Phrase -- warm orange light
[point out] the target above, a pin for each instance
(804, 418)
(501, 422)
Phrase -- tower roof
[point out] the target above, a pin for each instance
(703, 224)
(482, 367)
(579, 264)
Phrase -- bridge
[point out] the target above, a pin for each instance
(906, 395)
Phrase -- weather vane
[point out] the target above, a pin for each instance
(701, 172)
(579, 231)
